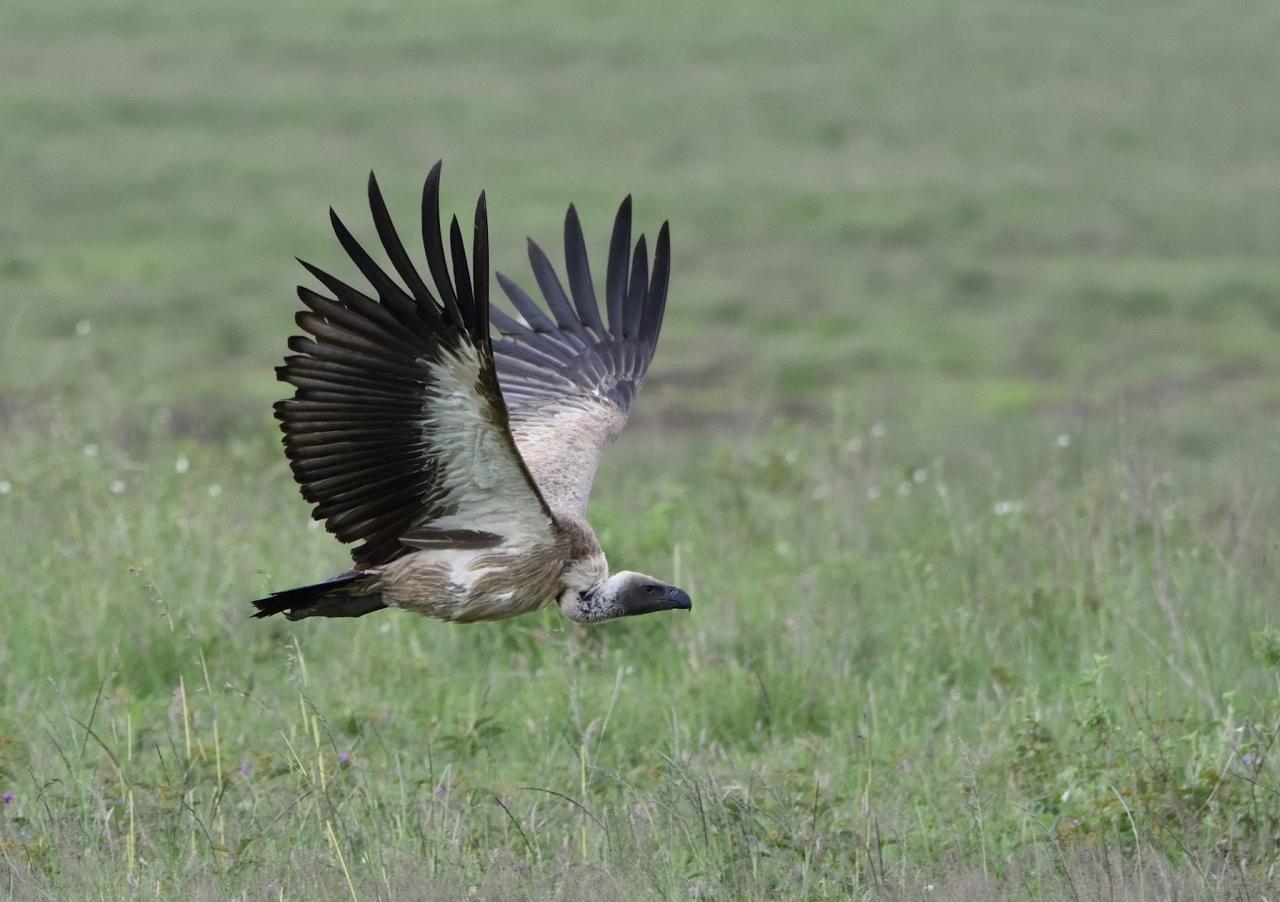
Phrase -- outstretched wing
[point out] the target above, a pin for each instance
(397, 431)
(569, 379)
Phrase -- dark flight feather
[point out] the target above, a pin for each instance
(579, 270)
(615, 279)
(433, 242)
(358, 431)
(573, 355)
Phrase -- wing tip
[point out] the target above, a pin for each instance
(431, 185)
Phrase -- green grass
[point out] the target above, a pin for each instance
(963, 437)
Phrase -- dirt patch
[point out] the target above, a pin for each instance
(1159, 392)
(22, 412)
(671, 416)
(714, 372)
(1166, 391)
(215, 421)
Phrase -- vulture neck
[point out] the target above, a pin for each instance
(583, 597)
(591, 606)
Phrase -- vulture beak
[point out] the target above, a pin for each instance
(678, 599)
(654, 597)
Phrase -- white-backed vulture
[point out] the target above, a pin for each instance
(461, 464)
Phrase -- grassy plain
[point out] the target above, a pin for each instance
(963, 436)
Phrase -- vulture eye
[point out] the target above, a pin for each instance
(652, 589)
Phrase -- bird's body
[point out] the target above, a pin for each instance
(465, 585)
(464, 466)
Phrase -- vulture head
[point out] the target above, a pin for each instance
(624, 594)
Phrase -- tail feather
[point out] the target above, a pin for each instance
(330, 598)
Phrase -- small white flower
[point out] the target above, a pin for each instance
(91, 450)
(1005, 508)
(5, 486)
(941, 488)
(877, 430)
(1066, 794)
(904, 488)
(181, 465)
(919, 475)
(116, 487)
(83, 328)
(215, 490)
(873, 492)
(1064, 441)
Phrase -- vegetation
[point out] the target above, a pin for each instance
(962, 436)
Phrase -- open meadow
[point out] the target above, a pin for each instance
(963, 435)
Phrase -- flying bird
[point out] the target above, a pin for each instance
(462, 464)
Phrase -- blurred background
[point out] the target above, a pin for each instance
(973, 336)
(949, 212)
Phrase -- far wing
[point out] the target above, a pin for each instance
(570, 378)
(397, 431)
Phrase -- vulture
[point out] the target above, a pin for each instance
(460, 463)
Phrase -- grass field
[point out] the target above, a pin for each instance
(963, 436)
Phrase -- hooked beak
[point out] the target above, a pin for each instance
(678, 599)
(656, 597)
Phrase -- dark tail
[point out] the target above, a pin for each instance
(337, 597)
